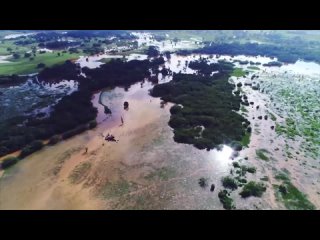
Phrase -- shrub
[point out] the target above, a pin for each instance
(203, 182)
(236, 164)
(27, 55)
(253, 189)
(3, 151)
(251, 169)
(41, 65)
(242, 180)
(9, 161)
(31, 148)
(229, 182)
(55, 139)
(226, 201)
(74, 131)
(92, 124)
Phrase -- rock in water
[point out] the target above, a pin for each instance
(212, 187)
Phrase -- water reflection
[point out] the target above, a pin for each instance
(221, 158)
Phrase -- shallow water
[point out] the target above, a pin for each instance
(157, 172)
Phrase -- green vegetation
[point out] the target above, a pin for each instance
(31, 148)
(92, 124)
(236, 165)
(26, 66)
(226, 200)
(273, 64)
(12, 80)
(229, 182)
(273, 117)
(8, 162)
(163, 173)
(261, 154)
(282, 176)
(251, 169)
(73, 112)
(79, 173)
(243, 109)
(246, 139)
(265, 178)
(238, 72)
(292, 198)
(253, 189)
(54, 139)
(288, 54)
(203, 182)
(253, 68)
(207, 101)
(118, 189)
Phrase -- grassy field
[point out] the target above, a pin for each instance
(5, 44)
(25, 66)
(238, 72)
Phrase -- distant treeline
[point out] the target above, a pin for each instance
(204, 114)
(287, 54)
(54, 45)
(122, 34)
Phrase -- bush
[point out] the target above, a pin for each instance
(9, 161)
(3, 151)
(75, 131)
(31, 148)
(41, 65)
(92, 124)
(54, 139)
(226, 201)
(253, 189)
(229, 182)
(203, 182)
(236, 164)
(251, 169)
(16, 55)
(27, 55)
(242, 180)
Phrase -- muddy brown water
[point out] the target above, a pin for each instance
(145, 169)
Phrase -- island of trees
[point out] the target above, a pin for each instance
(205, 111)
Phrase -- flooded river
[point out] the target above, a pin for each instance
(146, 169)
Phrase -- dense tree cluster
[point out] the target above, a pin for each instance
(205, 68)
(97, 33)
(152, 51)
(68, 70)
(12, 79)
(118, 73)
(273, 64)
(54, 45)
(207, 116)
